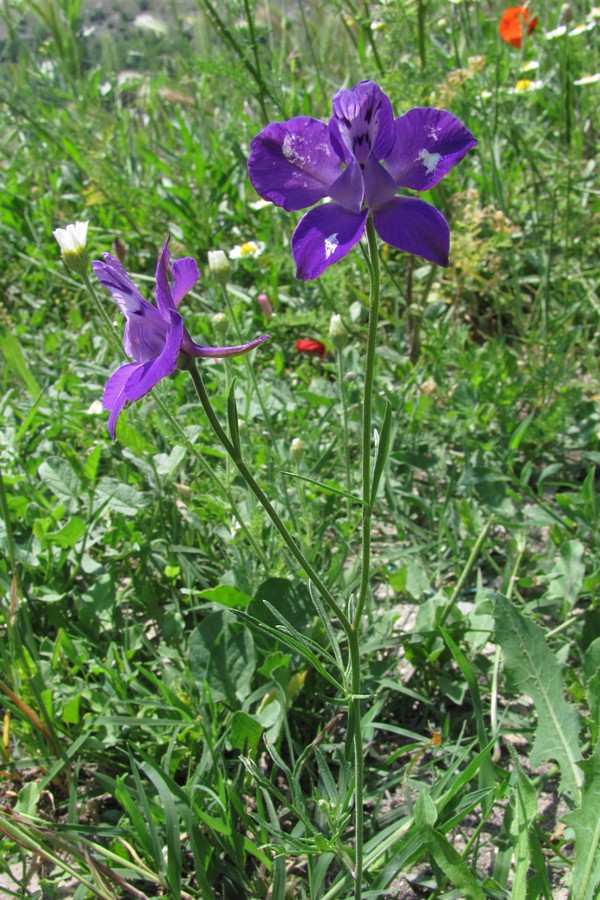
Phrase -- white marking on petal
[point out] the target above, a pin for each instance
(289, 148)
(429, 160)
(432, 132)
(331, 244)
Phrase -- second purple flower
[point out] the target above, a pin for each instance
(359, 161)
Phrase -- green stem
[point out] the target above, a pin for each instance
(264, 501)
(212, 474)
(368, 500)
(257, 392)
(366, 423)
(108, 325)
(345, 438)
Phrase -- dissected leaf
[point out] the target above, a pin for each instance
(534, 670)
(585, 822)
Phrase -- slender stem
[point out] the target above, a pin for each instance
(366, 422)
(345, 438)
(354, 717)
(225, 490)
(108, 325)
(264, 500)
(257, 391)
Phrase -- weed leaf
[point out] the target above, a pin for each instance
(535, 671)
(585, 822)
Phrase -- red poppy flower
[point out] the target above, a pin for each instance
(306, 345)
(511, 25)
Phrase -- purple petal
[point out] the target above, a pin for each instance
(323, 237)
(145, 328)
(362, 123)
(219, 352)
(349, 189)
(115, 397)
(185, 274)
(415, 227)
(164, 297)
(428, 143)
(152, 371)
(292, 163)
(380, 187)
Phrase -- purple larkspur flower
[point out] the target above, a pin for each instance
(359, 160)
(155, 336)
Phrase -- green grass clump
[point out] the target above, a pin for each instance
(173, 724)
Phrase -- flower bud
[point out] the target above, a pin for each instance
(338, 332)
(219, 266)
(265, 305)
(297, 450)
(72, 241)
(220, 323)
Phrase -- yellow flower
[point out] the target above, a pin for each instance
(248, 249)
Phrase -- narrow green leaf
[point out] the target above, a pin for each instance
(382, 451)
(172, 825)
(14, 357)
(486, 773)
(232, 417)
(327, 486)
(524, 813)
(535, 671)
(443, 853)
(519, 432)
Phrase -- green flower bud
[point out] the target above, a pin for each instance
(219, 265)
(220, 323)
(338, 333)
(297, 450)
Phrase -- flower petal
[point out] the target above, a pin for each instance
(154, 370)
(428, 143)
(185, 274)
(415, 227)
(115, 397)
(380, 187)
(362, 123)
(164, 297)
(292, 163)
(323, 237)
(145, 328)
(349, 189)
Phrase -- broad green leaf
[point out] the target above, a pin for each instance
(245, 732)
(221, 653)
(410, 579)
(59, 476)
(566, 578)
(534, 670)
(585, 822)
(226, 595)
(69, 534)
(121, 498)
